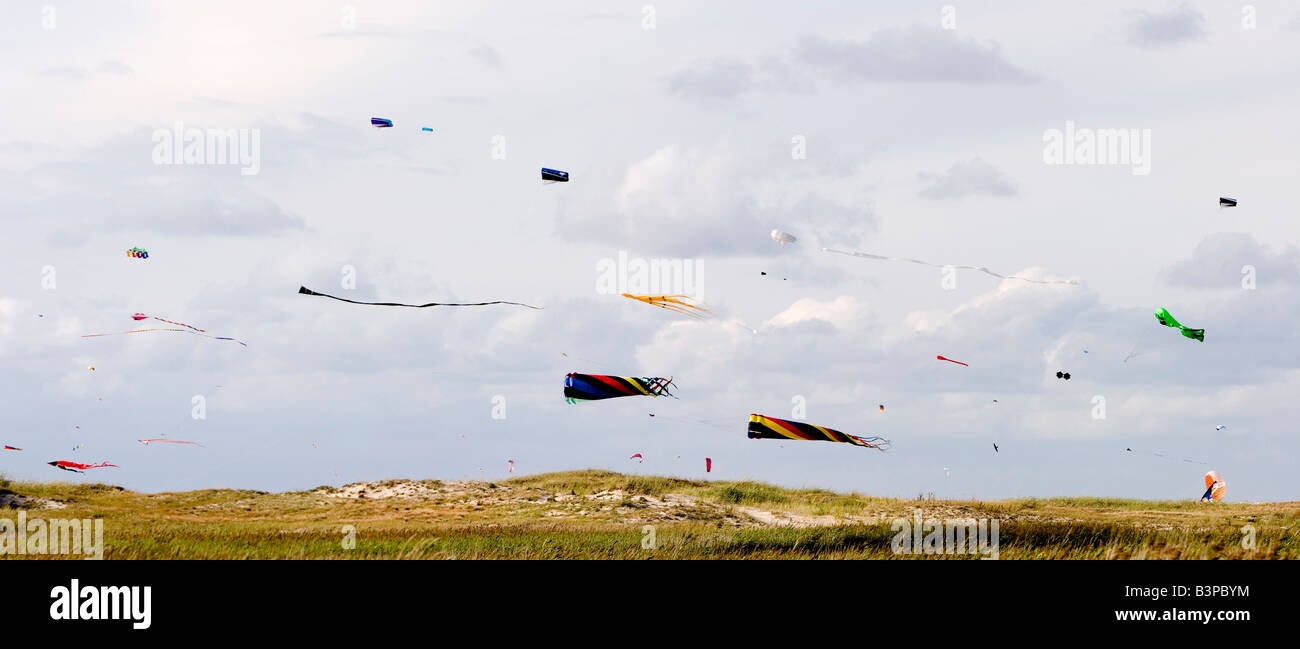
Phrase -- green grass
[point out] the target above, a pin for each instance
(601, 515)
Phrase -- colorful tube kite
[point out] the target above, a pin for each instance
(761, 427)
(593, 387)
(12, 448)
(306, 291)
(672, 303)
(1169, 321)
(138, 253)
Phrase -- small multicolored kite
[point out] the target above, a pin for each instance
(761, 427)
(12, 448)
(77, 467)
(1169, 321)
(593, 387)
(672, 303)
(138, 253)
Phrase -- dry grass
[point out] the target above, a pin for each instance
(601, 515)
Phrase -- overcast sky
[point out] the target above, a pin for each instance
(691, 130)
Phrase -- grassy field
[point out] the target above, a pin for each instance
(603, 515)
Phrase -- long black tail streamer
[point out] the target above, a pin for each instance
(306, 291)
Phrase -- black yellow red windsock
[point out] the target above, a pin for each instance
(761, 427)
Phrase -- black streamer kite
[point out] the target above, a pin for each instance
(306, 291)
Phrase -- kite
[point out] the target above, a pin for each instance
(1162, 456)
(161, 440)
(995, 448)
(783, 237)
(672, 303)
(593, 387)
(981, 269)
(138, 253)
(306, 291)
(637, 457)
(90, 368)
(1227, 202)
(952, 361)
(77, 467)
(761, 427)
(187, 329)
(380, 122)
(708, 465)
(1063, 375)
(882, 407)
(511, 464)
(12, 448)
(763, 273)
(1220, 427)
(426, 129)
(1133, 352)
(1214, 487)
(1169, 321)
(554, 175)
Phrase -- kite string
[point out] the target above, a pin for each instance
(982, 269)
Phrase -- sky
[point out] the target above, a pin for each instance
(691, 130)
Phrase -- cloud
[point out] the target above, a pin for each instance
(1166, 28)
(1219, 259)
(692, 201)
(912, 55)
(115, 187)
(722, 78)
(486, 55)
(105, 68)
(114, 68)
(972, 178)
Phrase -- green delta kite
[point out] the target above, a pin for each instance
(1169, 321)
